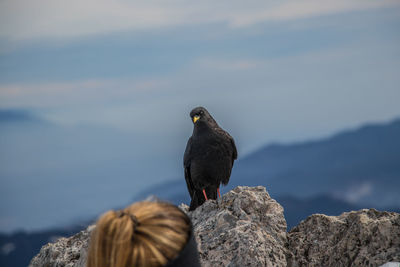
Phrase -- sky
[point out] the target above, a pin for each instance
(129, 71)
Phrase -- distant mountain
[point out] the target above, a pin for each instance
(360, 166)
(174, 191)
(16, 115)
(17, 249)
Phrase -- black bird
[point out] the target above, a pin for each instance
(208, 159)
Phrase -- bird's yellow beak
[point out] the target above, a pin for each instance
(195, 118)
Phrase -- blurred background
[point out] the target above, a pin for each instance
(95, 99)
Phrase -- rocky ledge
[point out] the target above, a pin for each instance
(247, 228)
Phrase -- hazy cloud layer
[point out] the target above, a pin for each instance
(284, 98)
(20, 19)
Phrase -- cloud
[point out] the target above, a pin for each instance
(96, 101)
(228, 65)
(16, 115)
(7, 248)
(22, 20)
(327, 82)
(58, 94)
(356, 192)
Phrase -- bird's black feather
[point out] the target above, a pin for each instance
(208, 159)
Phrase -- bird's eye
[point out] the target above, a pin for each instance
(201, 112)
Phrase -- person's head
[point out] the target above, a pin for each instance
(143, 234)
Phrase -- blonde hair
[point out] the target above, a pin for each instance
(143, 234)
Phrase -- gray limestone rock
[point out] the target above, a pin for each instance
(66, 252)
(357, 238)
(247, 228)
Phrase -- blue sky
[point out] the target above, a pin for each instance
(268, 71)
(101, 63)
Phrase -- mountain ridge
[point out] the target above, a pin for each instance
(369, 154)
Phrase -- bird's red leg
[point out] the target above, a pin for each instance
(204, 192)
(219, 193)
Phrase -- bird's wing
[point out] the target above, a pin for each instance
(189, 183)
(225, 180)
(186, 164)
(234, 150)
(235, 154)
(186, 156)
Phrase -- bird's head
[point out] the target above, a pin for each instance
(200, 114)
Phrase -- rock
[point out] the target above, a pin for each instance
(357, 238)
(66, 252)
(247, 228)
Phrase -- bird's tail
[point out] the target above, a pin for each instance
(198, 197)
